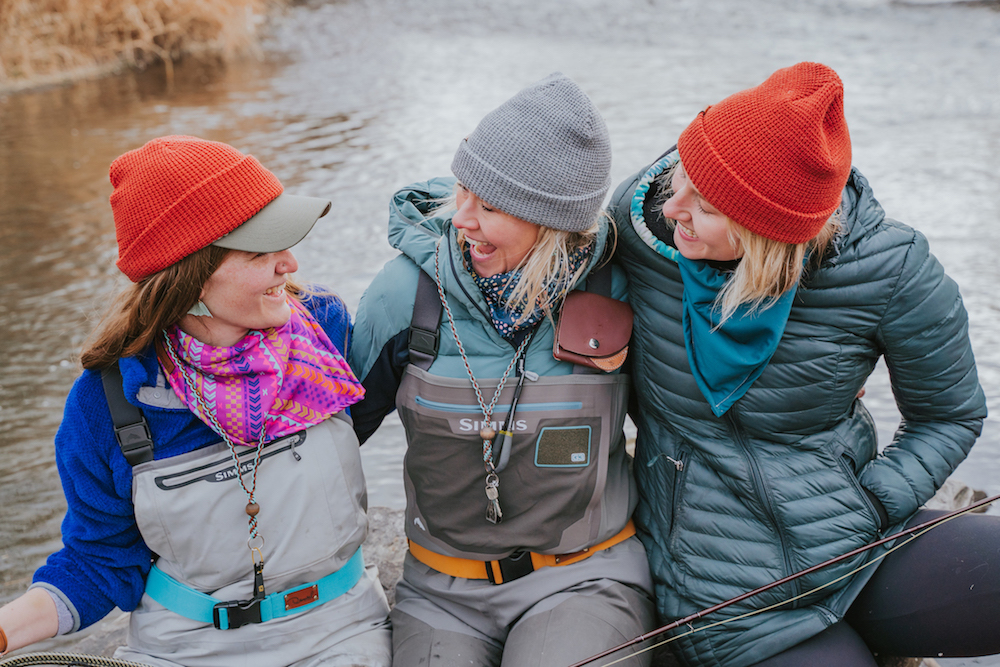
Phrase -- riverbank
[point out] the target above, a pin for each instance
(54, 42)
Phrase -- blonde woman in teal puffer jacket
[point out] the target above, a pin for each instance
(766, 283)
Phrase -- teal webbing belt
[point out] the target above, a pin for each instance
(186, 601)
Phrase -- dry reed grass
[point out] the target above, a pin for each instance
(42, 38)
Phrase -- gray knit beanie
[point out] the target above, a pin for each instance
(543, 156)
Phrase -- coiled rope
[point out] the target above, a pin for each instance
(71, 659)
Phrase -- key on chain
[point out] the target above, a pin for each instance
(493, 512)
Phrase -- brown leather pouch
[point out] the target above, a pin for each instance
(593, 330)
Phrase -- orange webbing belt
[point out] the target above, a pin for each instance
(476, 569)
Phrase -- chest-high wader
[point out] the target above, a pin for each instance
(564, 471)
(200, 599)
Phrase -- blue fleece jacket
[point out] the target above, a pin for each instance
(104, 561)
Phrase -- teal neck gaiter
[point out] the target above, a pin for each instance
(726, 360)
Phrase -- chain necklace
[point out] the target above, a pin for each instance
(493, 512)
(255, 542)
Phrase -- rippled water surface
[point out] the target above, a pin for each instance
(353, 99)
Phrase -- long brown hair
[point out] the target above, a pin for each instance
(142, 310)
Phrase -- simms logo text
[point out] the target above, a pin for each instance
(473, 425)
(230, 473)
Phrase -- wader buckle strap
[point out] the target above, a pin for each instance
(236, 613)
(230, 614)
(425, 322)
(515, 566)
(131, 428)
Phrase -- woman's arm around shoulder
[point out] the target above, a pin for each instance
(379, 351)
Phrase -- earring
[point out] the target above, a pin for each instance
(200, 310)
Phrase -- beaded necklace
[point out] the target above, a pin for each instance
(255, 542)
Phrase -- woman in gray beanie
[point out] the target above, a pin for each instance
(498, 335)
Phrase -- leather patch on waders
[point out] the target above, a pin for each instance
(302, 597)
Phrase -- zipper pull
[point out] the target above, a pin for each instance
(298, 457)
(677, 464)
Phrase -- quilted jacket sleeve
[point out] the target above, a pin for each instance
(925, 338)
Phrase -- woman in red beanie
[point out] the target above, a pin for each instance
(213, 481)
(767, 282)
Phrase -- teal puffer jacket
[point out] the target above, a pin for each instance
(778, 483)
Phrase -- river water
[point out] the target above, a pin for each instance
(354, 98)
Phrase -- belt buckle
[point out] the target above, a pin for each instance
(514, 566)
(238, 613)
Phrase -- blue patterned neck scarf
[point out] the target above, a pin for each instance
(497, 288)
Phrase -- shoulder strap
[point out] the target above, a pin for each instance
(599, 280)
(423, 337)
(131, 429)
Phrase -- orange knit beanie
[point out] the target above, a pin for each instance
(774, 158)
(178, 194)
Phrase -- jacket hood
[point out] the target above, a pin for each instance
(860, 215)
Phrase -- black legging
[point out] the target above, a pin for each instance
(939, 595)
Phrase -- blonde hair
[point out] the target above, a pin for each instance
(142, 310)
(547, 263)
(770, 268)
(767, 268)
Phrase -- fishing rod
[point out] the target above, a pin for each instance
(927, 525)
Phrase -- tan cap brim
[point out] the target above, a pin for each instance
(281, 224)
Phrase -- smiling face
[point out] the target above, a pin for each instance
(246, 292)
(702, 231)
(497, 241)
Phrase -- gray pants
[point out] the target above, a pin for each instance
(552, 617)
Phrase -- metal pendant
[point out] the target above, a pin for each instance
(493, 512)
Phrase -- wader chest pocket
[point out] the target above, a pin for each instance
(563, 447)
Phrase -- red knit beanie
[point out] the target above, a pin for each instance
(774, 158)
(177, 194)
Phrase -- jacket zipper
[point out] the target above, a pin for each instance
(758, 481)
(847, 465)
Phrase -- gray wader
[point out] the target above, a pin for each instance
(190, 510)
(564, 486)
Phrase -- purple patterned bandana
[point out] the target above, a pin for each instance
(285, 379)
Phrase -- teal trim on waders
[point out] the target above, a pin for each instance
(190, 603)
